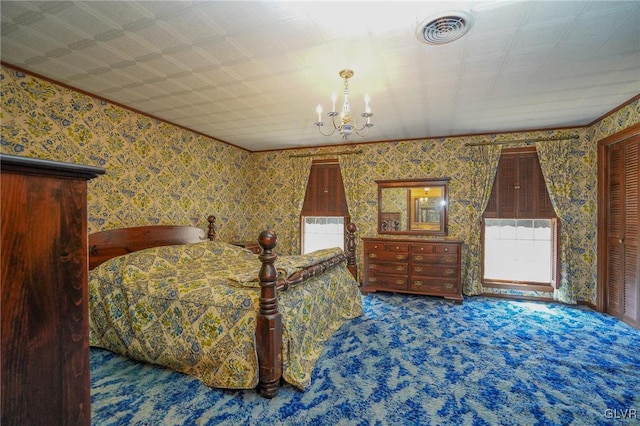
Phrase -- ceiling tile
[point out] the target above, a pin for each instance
(252, 73)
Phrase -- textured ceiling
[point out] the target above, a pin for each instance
(252, 73)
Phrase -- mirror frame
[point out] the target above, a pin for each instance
(407, 184)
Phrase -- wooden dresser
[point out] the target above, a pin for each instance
(416, 266)
(44, 306)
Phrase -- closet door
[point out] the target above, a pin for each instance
(630, 248)
(619, 222)
(615, 232)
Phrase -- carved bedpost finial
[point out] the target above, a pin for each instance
(350, 249)
(351, 228)
(269, 321)
(212, 227)
(267, 239)
(268, 274)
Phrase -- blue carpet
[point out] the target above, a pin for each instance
(414, 360)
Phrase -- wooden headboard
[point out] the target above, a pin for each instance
(116, 242)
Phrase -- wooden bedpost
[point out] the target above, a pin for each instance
(212, 228)
(350, 249)
(269, 321)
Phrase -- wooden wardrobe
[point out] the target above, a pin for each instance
(619, 225)
(43, 304)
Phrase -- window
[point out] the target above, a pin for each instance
(324, 212)
(519, 250)
(322, 232)
(520, 234)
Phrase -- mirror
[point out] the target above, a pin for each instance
(413, 207)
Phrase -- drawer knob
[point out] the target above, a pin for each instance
(372, 280)
(418, 283)
(399, 282)
(448, 285)
(450, 259)
(446, 249)
(399, 257)
(418, 268)
(418, 257)
(372, 266)
(375, 246)
(397, 247)
(373, 255)
(448, 272)
(399, 268)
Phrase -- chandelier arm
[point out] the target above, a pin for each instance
(335, 125)
(321, 132)
(364, 126)
(357, 131)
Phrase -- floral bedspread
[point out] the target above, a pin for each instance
(193, 308)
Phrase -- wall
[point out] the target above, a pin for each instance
(448, 157)
(437, 158)
(158, 173)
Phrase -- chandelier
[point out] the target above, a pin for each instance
(345, 125)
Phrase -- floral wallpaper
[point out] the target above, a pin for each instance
(156, 173)
(159, 174)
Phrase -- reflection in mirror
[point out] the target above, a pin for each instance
(394, 210)
(416, 206)
(427, 207)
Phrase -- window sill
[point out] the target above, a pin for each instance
(524, 286)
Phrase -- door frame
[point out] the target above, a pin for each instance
(603, 195)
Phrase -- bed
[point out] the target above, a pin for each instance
(169, 295)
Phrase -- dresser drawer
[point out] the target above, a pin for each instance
(434, 248)
(437, 271)
(387, 268)
(434, 259)
(386, 281)
(386, 246)
(388, 256)
(433, 285)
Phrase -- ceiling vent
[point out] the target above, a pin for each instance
(444, 28)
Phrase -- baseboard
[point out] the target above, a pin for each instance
(518, 286)
(588, 305)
